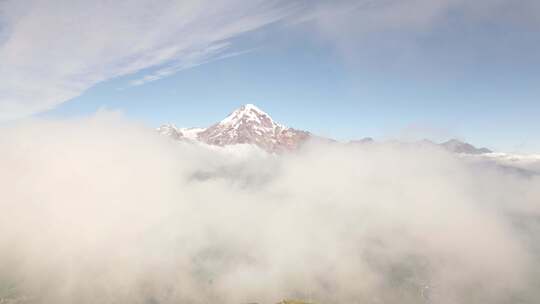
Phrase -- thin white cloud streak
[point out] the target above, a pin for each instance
(340, 19)
(53, 51)
(213, 53)
(104, 211)
(393, 32)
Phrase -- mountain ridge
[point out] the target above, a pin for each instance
(250, 125)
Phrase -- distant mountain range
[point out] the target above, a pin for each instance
(250, 125)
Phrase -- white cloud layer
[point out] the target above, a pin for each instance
(104, 211)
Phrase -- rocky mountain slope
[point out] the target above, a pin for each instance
(457, 146)
(251, 125)
(246, 125)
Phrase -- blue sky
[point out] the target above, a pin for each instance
(345, 70)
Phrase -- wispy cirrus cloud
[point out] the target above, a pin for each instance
(430, 31)
(52, 51)
(191, 59)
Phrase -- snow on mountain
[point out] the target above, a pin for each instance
(246, 125)
(251, 125)
(524, 164)
(180, 133)
(529, 162)
(514, 157)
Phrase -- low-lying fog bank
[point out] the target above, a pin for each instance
(102, 210)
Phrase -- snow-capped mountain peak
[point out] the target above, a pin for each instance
(246, 125)
(250, 113)
(250, 125)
